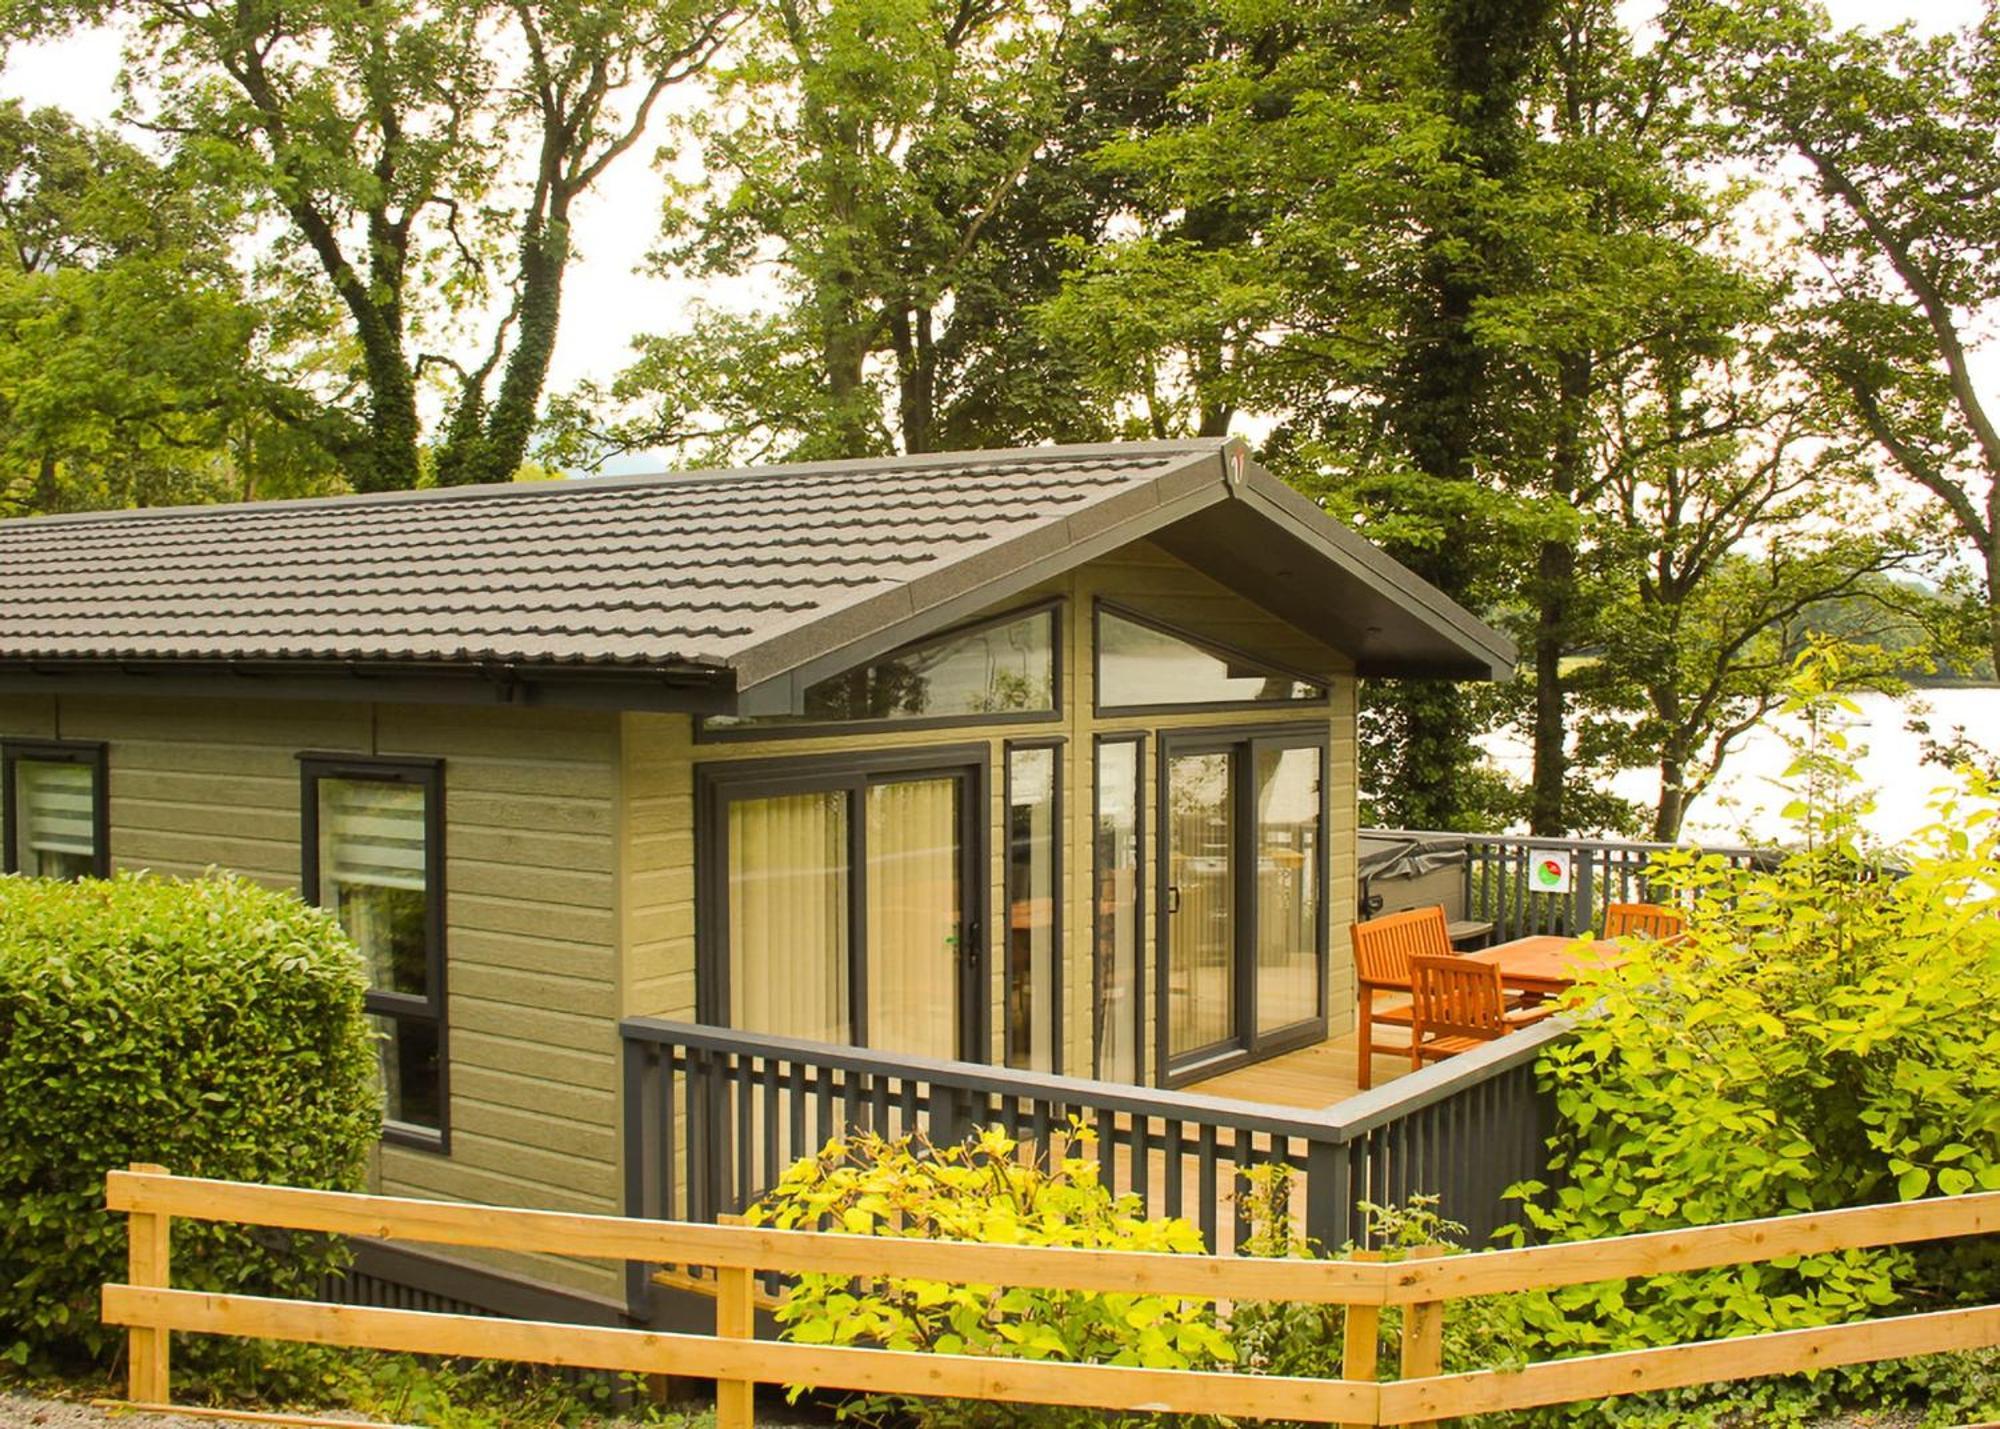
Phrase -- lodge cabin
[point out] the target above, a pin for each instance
(996, 781)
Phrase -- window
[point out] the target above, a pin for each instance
(56, 818)
(1034, 907)
(1143, 666)
(1116, 1009)
(997, 668)
(839, 899)
(374, 856)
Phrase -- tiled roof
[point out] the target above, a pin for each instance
(672, 571)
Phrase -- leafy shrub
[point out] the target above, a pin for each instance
(1824, 1037)
(210, 1025)
(985, 1190)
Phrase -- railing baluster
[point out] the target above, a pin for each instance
(1463, 1129)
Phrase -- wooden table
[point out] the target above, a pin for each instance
(1547, 964)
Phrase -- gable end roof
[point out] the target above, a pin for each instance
(709, 590)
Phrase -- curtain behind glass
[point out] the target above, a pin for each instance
(914, 905)
(1288, 886)
(788, 916)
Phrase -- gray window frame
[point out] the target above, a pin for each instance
(1216, 648)
(718, 783)
(1053, 607)
(1057, 745)
(427, 773)
(93, 752)
(1137, 739)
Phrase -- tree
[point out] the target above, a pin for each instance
(412, 171)
(104, 253)
(1728, 522)
(907, 171)
(1899, 137)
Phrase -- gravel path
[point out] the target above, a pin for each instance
(20, 1412)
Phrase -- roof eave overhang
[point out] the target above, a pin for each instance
(1220, 511)
(693, 689)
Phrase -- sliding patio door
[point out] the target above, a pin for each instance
(1243, 918)
(840, 904)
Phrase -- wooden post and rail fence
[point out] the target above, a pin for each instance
(1422, 1285)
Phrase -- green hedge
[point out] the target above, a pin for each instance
(210, 1025)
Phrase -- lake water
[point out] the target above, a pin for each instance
(1744, 802)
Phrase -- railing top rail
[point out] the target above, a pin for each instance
(1208, 1277)
(1335, 1124)
(1538, 841)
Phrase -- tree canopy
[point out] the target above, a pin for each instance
(1653, 338)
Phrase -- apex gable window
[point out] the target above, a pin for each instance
(998, 669)
(1144, 665)
(55, 816)
(373, 836)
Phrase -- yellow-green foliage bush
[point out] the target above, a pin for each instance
(985, 1191)
(209, 1025)
(1825, 1036)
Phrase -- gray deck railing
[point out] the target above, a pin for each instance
(1498, 867)
(713, 1116)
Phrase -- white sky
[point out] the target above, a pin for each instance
(606, 301)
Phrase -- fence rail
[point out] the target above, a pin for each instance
(1499, 877)
(149, 1308)
(713, 1116)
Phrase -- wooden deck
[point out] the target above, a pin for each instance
(1310, 1078)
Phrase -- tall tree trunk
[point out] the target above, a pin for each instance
(1555, 598)
(1672, 808)
(48, 495)
(1442, 415)
(1556, 578)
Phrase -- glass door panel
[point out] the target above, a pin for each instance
(789, 915)
(1202, 1010)
(1288, 891)
(1116, 914)
(915, 912)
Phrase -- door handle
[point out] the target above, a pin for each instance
(1173, 898)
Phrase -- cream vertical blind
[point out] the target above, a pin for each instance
(56, 806)
(915, 908)
(1289, 854)
(789, 916)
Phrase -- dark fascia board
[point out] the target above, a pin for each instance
(692, 690)
(1302, 517)
(773, 676)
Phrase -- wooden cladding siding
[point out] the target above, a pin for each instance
(659, 753)
(531, 921)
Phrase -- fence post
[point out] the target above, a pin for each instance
(149, 1263)
(735, 1319)
(1361, 1343)
(1423, 1334)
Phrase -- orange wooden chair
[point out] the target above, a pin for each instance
(1383, 948)
(1456, 1005)
(1645, 920)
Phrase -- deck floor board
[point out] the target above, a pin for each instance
(1310, 1078)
